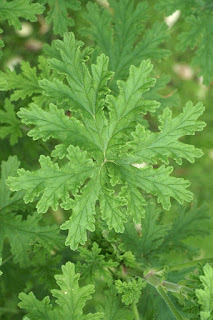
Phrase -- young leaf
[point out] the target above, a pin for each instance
(205, 295)
(130, 290)
(96, 266)
(70, 299)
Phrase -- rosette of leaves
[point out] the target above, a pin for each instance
(95, 171)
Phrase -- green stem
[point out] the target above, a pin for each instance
(189, 264)
(135, 311)
(155, 280)
(7, 259)
(169, 302)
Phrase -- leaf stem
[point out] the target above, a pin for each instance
(169, 302)
(189, 264)
(135, 311)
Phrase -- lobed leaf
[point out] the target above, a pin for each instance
(70, 298)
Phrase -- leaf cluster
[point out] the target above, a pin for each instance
(98, 201)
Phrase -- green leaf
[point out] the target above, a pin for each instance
(24, 84)
(187, 223)
(153, 234)
(125, 107)
(96, 265)
(199, 34)
(10, 123)
(85, 90)
(53, 182)
(110, 206)
(53, 123)
(196, 32)
(3, 84)
(157, 182)
(9, 202)
(205, 295)
(84, 210)
(172, 5)
(131, 290)
(14, 10)
(22, 234)
(112, 308)
(97, 173)
(59, 16)
(117, 34)
(150, 146)
(70, 299)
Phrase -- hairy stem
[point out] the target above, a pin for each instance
(169, 302)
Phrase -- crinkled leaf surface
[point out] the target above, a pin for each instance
(13, 10)
(59, 14)
(70, 299)
(205, 295)
(116, 30)
(22, 234)
(96, 146)
(96, 265)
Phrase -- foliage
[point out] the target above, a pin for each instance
(22, 234)
(97, 150)
(130, 291)
(58, 14)
(70, 298)
(101, 135)
(205, 295)
(13, 11)
(197, 31)
(120, 43)
(11, 124)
